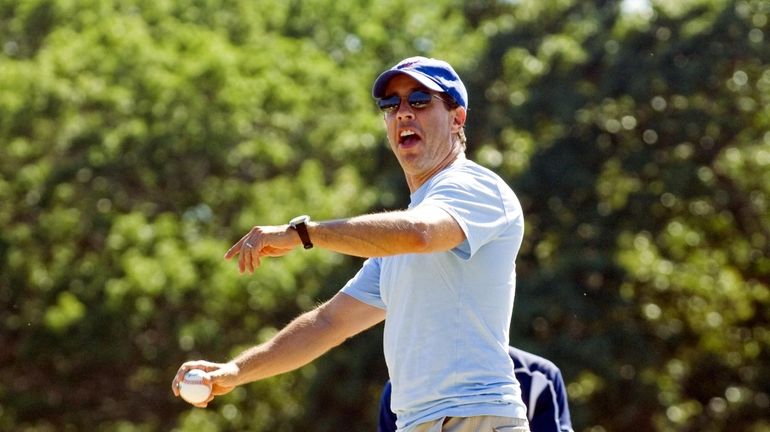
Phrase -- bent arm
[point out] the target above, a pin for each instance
(307, 338)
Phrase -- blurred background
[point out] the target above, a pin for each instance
(140, 138)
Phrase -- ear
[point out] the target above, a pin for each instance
(458, 120)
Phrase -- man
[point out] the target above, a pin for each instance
(440, 273)
(542, 388)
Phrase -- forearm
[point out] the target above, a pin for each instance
(372, 235)
(391, 233)
(306, 338)
(302, 341)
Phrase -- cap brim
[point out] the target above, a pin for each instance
(378, 90)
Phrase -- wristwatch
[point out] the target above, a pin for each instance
(299, 224)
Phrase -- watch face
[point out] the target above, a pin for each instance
(299, 219)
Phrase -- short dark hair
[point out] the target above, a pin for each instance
(450, 104)
(449, 101)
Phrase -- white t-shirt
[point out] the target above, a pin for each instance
(448, 314)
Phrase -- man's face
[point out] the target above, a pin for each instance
(421, 138)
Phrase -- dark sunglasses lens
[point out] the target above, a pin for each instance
(388, 103)
(419, 99)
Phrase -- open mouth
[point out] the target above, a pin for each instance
(408, 138)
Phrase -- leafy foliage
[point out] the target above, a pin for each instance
(138, 139)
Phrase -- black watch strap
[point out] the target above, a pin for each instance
(299, 224)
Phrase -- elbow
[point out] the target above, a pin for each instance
(428, 235)
(331, 326)
(419, 238)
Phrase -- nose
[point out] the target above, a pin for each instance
(405, 111)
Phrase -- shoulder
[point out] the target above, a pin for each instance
(468, 169)
(467, 175)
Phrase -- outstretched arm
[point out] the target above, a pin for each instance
(302, 341)
(423, 229)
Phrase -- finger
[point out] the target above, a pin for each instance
(243, 261)
(219, 389)
(233, 251)
(246, 252)
(205, 403)
(180, 373)
(177, 379)
(254, 260)
(250, 261)
(236, 248)
(254, 254)
(203, 365)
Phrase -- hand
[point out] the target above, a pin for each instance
(222, 377)
(262, 241)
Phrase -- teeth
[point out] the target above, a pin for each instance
(406, 133)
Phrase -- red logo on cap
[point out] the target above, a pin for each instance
(407, 64)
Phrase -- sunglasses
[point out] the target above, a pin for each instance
(417, 99)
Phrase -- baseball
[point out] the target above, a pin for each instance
(192, 388)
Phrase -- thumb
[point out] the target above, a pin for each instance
(225, 375)
(220, 389)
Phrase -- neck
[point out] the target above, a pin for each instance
(415, 181)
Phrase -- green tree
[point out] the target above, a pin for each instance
(138, 139)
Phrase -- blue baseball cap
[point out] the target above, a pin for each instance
(436, 75)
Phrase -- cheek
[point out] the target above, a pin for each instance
(439, 129)
(390, 129)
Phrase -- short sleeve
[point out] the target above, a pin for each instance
(478, 205)
(365, 285)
